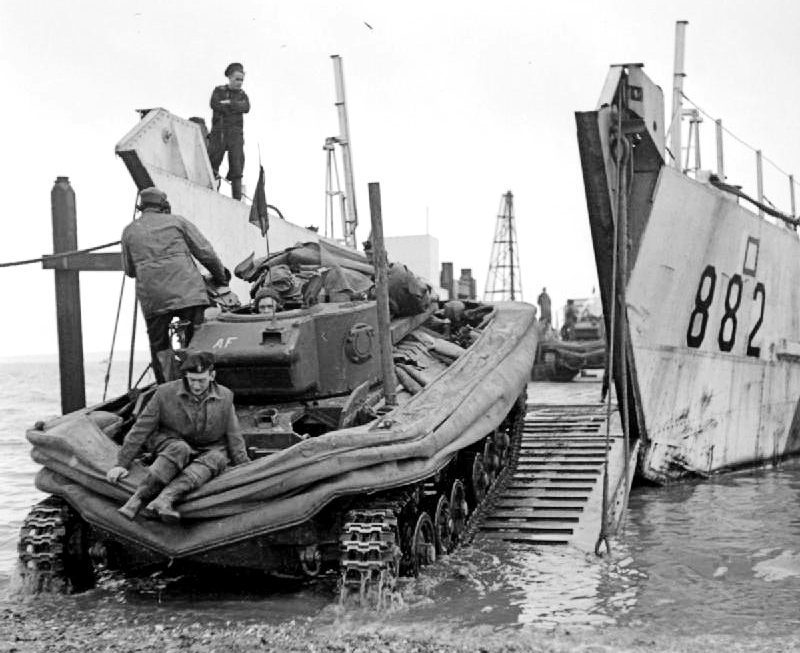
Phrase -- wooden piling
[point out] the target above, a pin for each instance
(381, 264)
(68, 299)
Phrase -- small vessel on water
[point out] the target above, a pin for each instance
(697, 291)
(339, 476)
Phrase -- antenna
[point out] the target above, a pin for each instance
(504, 281)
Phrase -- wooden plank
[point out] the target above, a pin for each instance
(522, 493)
(549, 492)
(548, 480)
(563, 516)
(538, 505)
(90, 262)
(528, 527)
(543, 539)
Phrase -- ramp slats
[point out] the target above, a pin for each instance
(557, 477)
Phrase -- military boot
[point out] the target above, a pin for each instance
(176, 490)
(149, 488)
(236, 189)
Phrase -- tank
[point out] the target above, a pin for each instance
(337, 480)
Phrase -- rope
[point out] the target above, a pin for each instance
(716, 181)
(740, 140)
(602, 538)
(116, 320)
(73, 252)
(114, 338)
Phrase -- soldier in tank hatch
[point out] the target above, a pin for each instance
(228, 103)
(157, 250)
(191, 426)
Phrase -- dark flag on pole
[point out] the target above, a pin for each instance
(258, 211)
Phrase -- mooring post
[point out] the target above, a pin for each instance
(68, 299)
(380, 261)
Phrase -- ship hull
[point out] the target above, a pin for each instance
(706, 355)
(713, 314)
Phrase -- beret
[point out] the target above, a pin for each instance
(197, 361)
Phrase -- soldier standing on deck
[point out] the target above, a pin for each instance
(157, 251)
(229, 102)
(191, 426)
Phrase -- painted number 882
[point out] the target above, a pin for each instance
(726, 336)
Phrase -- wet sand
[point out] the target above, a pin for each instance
(54, 625)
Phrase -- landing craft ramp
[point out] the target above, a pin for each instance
(555, 495)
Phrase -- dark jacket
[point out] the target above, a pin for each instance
(173, 412)
(157, 250)
(228, 117)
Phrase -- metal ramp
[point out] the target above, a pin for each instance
(554, 496)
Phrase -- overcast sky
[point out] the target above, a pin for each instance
(451, 104)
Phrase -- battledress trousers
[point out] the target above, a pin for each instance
(193, 438)
(227, 134)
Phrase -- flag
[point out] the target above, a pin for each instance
(258, 211)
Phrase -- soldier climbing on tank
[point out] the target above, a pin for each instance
(228, 103)
(157, 251)
(191, 426)
(545, 316)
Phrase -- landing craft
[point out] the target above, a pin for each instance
(707, 348)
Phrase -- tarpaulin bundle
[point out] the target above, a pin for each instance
(467, 401)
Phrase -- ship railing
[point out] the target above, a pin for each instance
(735, 156)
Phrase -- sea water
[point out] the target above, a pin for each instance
(719, 555)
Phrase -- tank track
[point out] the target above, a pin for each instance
(370, 550)
(50, 549)
(385, 537)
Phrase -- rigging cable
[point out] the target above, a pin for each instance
(620, 156)
(116, 320)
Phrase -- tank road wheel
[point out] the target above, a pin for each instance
(478, 480)
(491, 461)
(443, 525)
(54, 549)
(459, 510)
(423, 544)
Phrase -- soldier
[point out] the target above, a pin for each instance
(157, 251)
(543, 301)
(191, 426)
(229, 102)
(570, 320)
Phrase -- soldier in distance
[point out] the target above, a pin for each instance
(157, 250)
(543, 300)
(229, 103)
(191, 426)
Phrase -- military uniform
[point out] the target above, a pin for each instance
(157, 250)
(227, 132)
(194, 438)
(182, 430)
(544, 307)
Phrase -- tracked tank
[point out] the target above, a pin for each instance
(336, 480)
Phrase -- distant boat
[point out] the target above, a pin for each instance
(711, 329)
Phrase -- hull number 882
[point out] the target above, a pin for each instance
(729, 324)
